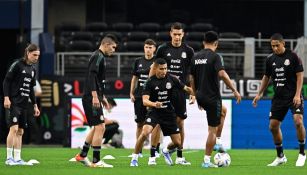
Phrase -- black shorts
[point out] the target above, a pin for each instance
(280, 108)
(167, 122)
(93, 115)
(179, 103)
(213, 109)
(139, 110)
(16, 116)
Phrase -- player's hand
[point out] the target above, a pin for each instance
(158, 104)
(36, 111)
(256, 99)
(7, 103)
(132, 98)
(297, 101)
(238, 96)
(191, 99)
(95, 102)
(106, 104)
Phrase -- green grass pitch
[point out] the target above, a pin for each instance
(54, 161)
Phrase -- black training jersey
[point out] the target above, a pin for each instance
(19, 82)
(141, 69)
(96, 73)
(161, 90)
(178, 59)
(282, 69)
(205, 67)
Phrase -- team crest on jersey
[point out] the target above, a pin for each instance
(32, 73)
(287, 62)
(184, 55)
(168, 85)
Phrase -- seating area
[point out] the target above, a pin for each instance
(73, 37)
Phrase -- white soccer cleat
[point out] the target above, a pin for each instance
(84, 160)
(300, 160)
(157, 154)
(152, 161)
(101, 164)
(182, 161)
(208, 165)
(10, 161)
(278, 161)
(22, 162)
(167, 157)
(134, 163)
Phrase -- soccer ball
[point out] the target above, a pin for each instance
(222, 159)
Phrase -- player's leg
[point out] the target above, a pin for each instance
(147, 129)
(277, 115)
(18, 145)
(140, 116)
(10, 145)
(298, 113)
(213, 110)
(155, 139)
(219, 144)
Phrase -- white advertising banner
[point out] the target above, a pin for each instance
(196, 128)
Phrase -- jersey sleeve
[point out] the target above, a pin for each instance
(147, 87)
(10, 75)
(93, 71)
(177, 82)
(134, 67)
(268, 67)
(219, 63)
(298, 65)
(160, 51)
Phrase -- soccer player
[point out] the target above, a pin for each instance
(178, 56)
(140, 73)
(17, 89)
(206, 69)
(157, 96)
(93, 100)
(285, 69)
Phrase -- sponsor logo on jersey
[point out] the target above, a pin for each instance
(168, 85)
(298, 110)
(156, 88)
(274, 64)
(14, 119)
(168, 54)
(140, 65)
(24, 71)
(201, 61)
(287, 62)
(183, 55)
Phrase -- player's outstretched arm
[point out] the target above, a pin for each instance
(264, 84)
(224, 76)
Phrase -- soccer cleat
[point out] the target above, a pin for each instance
(219, 148)
(208, 165)
(101, 164)
(152, 161)
(84, 160)
(182, 161)
(300, 160)
(10, 161)
(139, 155)
(22, 162)
(134, 163)
(157, 155)
(167, 157)
(278, 161)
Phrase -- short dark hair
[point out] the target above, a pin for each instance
(277, 36)
(210, 37)
(109, 38)
(160, 61)
(111, 101)
(177, 26)
(150, 42)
